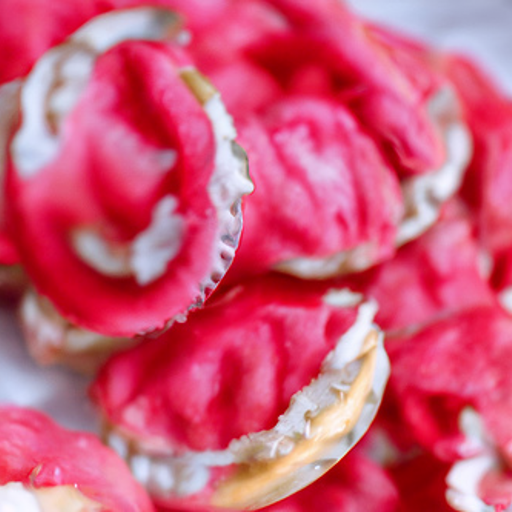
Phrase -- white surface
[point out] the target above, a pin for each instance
(482, 28)
(60, 393)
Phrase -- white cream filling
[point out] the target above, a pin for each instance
(34, 145)
(352, 260)
(229, 183)
(465, 475)
(344, 298)
(338, 371)
(74, 68)
(425, 194)
(142, 23)
(48, 333)
(58, 79)
(105, 257)
(505, 299)
(15, 498)
(146, 257)
(189, 473)
(157, 245)
(463, 481)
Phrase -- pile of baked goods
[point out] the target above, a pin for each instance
(233, 216)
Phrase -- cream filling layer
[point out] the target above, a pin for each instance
(53, 339)
(505, 299)
(424, 195)
(465, 475)
(15, 497)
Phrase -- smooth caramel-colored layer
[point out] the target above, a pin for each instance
(198, 84)
(64, 498)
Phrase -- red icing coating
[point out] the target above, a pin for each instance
(488, 187)
(39, 453)
(458, 361)
(44, 26)
(321, 187)
(107, 177)
(432, 276)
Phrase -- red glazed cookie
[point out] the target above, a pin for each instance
(364, 117)
(318, 180)
(255, 396)
(451, 363)
(125, 174)
(45, 468)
